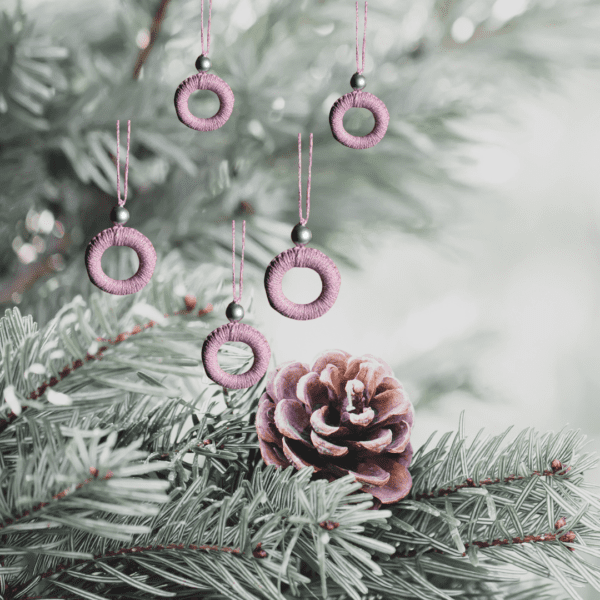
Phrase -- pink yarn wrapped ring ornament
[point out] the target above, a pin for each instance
(204, 81)
(308, 258)
(118, 235)
(359, 99)
(236, 332)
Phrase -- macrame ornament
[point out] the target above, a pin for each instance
(204, 81)
(118, 235)
(359, 99)
(300, 256)
(236, 332)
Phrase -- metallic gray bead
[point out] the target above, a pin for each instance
(358, 81)
(301, 235)
(119, 214)
(203, 63)
(234, 311)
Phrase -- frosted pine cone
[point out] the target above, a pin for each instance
(342, 415)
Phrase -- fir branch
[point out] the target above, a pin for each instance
(250, 517)
(557, 469)
(14, 317)
(503, 519)
(122, 552)
(93, 471)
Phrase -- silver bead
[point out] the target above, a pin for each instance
(119, 214)
(301, 235)
(358, 82)
(203, 63)
(234, 312)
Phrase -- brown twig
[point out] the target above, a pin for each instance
(159, 16)
(568, 537)
(59, 496)
(132, 551)
(557, 469)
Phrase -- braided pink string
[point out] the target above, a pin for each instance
(238, 298)
(124, 199)
(202, 27)
(364, 46)
(303, 221)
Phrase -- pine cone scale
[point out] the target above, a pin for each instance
(312, 391)
(293, 452)
(371, 474)
(401, 437)
(362, 419)
(265, 421)
(286, 380)
(328, 448)
(292, 421)
(272, 454)
(337, 358)
(377, 442)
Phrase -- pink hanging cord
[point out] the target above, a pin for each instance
(202, 27)
(124, 199)
(303, 221)
(364, 46)
(238, 298)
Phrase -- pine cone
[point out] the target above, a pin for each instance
(343, 415)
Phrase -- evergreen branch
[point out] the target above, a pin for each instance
(18, 341)
(504, 518)
(557, 469)
(252, 516)
(23, 484)
(66, 370)
(136, 550)
(568, 537)
(93, 471)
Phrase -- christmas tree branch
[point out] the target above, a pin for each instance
(557, 469)
(64, 372)
(32, 362)
(521, 512)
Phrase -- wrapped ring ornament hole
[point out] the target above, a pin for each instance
(204, 81)
(236, 332)
(120, 236)
(359, 99)
(309, 258)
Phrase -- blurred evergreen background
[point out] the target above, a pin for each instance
(468, 239)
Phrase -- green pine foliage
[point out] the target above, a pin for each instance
(125, 473)
(121, 480)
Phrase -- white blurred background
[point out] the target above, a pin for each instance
(522, 265)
